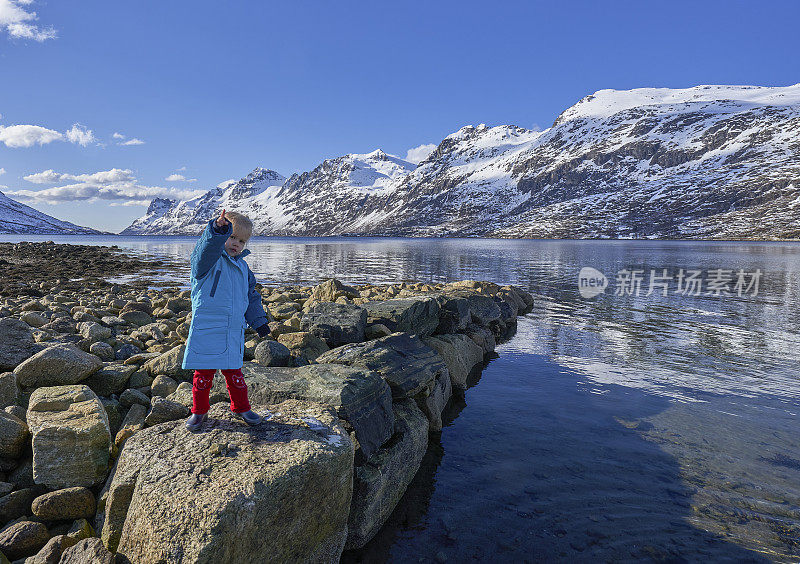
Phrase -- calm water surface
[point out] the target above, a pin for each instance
(616, 428)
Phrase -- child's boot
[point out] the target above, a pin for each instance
(195, 421)
(251, 417)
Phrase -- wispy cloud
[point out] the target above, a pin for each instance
(418, 154)
(16, 20)
(80, 135)
(132, 141)
(2, 171)
(102, 177)
(179, 178)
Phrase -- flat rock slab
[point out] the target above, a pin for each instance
(361, 397)
(336, 324)
(71, 437)
(407, 364)
(277, 492)
(57, 365)
(418, 315)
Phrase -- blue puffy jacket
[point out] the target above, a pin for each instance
(224, 300)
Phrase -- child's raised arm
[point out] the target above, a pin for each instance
(209, 248)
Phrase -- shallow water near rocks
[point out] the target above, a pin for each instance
(612, 428)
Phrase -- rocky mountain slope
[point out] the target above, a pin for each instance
(702, 162)
(19, 218)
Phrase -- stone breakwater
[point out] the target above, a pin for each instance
(95, 459)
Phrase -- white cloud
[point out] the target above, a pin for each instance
(117, 186)
(182, 169)
(16, 21)
(28, 135)
(420, 153)
(117, 135)
(80, 135)
(102, 177)
(133, 141)
(2, 171)
(179, 178)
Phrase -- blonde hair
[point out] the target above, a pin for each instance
(241, 223)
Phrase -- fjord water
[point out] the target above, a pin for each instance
(612, 428)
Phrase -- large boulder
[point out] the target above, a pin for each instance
(57, 365)
(71, 437)
(336, 324)
(407, 364)
(13, 435)
(418, 314)
(279, 491)
(169, 364)
(460, 354)
(381, 481)
(110, 379)
(87, 550)
(454, 314)
(16, 343)
(360, 396)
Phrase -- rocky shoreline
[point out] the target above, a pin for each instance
(96, 464)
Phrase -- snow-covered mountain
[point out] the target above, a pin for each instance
(19, 218)
(705, 162)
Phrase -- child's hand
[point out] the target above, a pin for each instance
(221, 221)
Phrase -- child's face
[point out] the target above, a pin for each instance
(235, 243)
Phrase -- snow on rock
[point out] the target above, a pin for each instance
(19, 218)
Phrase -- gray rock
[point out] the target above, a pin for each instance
(126, 351)
(169, 364)
(418, 315)
(22, 475)
(407, 364)
(93, 331)
(16, 343)
(110, 379)
(483, 309)
(34, 319)
(52, 551)
(114, 414)
(454, 314)
(263, 491)
(140, 379)
(57, 365)
(102, 350)
(18, 503)
(433, 404)
(132, 423)
(360, 396)
(336, 324)
(331, 289)
(137, 318)
(272, 353)
(132, 396)
(163, 386)
(163, 410)
(71, 437)
(376, 331)
(9, 390)
(381, 481)
(13, 435)
(64, 504)
(87, 550)
(303, 346)
(460, 354)
(24, 538)
(112, 321)
(481, 336)
(18, 411)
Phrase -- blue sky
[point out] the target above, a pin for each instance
(210, 90)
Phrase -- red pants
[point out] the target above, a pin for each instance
(237, 389)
